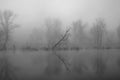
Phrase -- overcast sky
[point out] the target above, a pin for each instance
(32, 12)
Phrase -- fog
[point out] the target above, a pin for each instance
(32, 13)
(59, 39)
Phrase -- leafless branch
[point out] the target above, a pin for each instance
(62, 39)
(54, 50)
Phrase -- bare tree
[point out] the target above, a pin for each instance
(7, 24)
(78, 34)
(98, 31)
(1, 37)
(118, 33)
(56, 39)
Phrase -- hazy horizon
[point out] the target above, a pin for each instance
(32, 13)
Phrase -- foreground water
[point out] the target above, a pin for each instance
(35, 65)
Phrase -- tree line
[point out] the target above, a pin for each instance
(77, 36)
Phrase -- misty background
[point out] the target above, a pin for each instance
(32, 13)
(59, 39)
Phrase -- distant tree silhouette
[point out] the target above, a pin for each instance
(37, 38)
(98, 31)
(78, 34)
(1, 36)
(118, 34)
(111, 40)
(7, 24)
